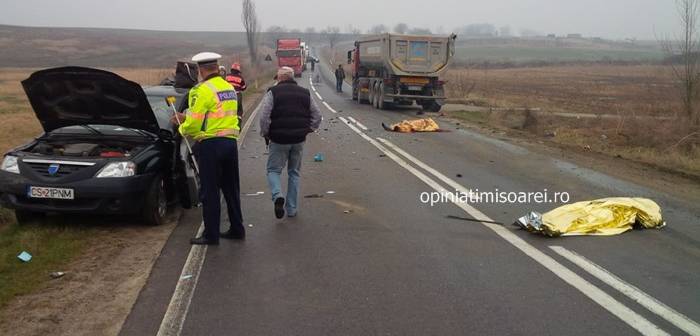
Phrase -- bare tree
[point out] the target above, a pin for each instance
(420, 31)
(378, 29)
(401, 28)
(332, 34)
(252, 28)
(685, 55)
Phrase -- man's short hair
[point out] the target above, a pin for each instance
(285, 72)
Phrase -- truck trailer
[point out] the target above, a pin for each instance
(392, 69)
(289, 53)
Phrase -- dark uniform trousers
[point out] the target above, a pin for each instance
(218, 166)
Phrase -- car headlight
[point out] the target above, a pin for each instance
(10, 164)
(118, 169)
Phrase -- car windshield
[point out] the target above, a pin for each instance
(288, 53)
(162, 110)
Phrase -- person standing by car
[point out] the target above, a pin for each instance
(288, 115)
(212, 121)
(339, 78)
(235, 78)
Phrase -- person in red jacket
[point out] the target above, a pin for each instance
(236, 79)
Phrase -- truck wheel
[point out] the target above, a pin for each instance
(25, 217)
(375, 102)
(380, 98)
(431, 106)
(156, 206)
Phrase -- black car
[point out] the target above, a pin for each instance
(108, 148)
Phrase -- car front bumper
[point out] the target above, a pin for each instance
(123, 195)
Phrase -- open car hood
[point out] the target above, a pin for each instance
(70, 96)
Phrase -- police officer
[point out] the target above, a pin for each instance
(235, 78)
(212, 121)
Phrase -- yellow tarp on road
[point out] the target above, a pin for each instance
(603, 217)
(416, 125)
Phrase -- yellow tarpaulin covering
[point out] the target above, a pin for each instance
(416, 125)
(603, 217)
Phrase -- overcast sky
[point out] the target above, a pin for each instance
(605, 18)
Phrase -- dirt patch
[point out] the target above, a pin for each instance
(99, 288)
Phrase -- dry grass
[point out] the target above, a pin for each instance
(598, 89)
(634, 96)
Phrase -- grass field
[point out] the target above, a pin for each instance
(633, 107)
(515, 54)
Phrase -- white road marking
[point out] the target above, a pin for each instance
(345, 121)
(359, 124)
(615, 307)
(363, 127)
(329, 107)
(655, 306)
(318, 95)
(175, 315)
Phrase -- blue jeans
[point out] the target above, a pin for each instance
(281, 155)
(339, 85)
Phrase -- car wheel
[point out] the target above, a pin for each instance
(28, 217)
(156, 203)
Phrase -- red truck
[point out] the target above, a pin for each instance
(289, 53)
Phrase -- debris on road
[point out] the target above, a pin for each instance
(256, 194)
(318, 157)
(185, 277)
(56, 275)
(603, 217)
(314, 196)
(459, 175)
(473, 220)
(347, 211)
(416, 125)
(330, 192)
(382, 155)
(25, 256)
(250, 225)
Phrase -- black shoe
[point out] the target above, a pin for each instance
(203, 241)
(279, 207)
(230, 234)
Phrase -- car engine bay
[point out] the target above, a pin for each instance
(113, 149)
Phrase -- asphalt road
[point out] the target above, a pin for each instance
(371, 258)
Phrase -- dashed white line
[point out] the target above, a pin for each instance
(652, 304)
(176, 313)
(329, 107)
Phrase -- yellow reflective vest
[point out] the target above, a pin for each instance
(212, 111)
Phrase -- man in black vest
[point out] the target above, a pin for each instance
(288, 115)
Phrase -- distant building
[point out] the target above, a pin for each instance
(574, 36)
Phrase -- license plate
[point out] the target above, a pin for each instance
(414, 80)
(415, 88)
(55, 193)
